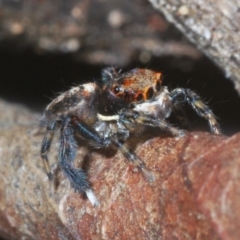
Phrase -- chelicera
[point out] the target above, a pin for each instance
(106, 113)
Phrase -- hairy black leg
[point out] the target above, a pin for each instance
(67, 153)
(46, 145)
(146, 120)
(133, 158)
(91, 134)
(180, 95)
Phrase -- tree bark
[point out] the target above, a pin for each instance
(194, 196)
(212, 26)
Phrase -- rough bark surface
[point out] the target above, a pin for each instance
(195, 194)
(97, 32)
(213, 26)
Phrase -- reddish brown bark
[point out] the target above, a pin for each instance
(195, 194)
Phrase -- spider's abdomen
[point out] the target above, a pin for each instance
(80, 102)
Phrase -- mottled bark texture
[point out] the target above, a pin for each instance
(195, 194)
(97, 32)
(213, 26)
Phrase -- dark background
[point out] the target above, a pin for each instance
(34, 80)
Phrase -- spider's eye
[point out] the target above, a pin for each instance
(116, 89)
(149, 93)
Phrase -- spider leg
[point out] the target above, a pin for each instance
(147, 120)
(91, 134)
(133, 158)
(186, 95)
(67, 153)
(46, 145)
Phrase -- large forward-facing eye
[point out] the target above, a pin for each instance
(149, 93)
(116, 89)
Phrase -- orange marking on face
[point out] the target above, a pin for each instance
(138, 85)
(128, 82)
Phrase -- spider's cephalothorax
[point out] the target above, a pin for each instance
(107, 113)
(125, 90)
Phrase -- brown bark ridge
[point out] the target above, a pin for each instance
(195, 194)
(213, 26)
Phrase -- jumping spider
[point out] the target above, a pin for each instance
(107, 113)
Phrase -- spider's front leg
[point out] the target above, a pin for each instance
(67, 153)
(180, 95)
(46, 145)
(130, 118)
(133, 158)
